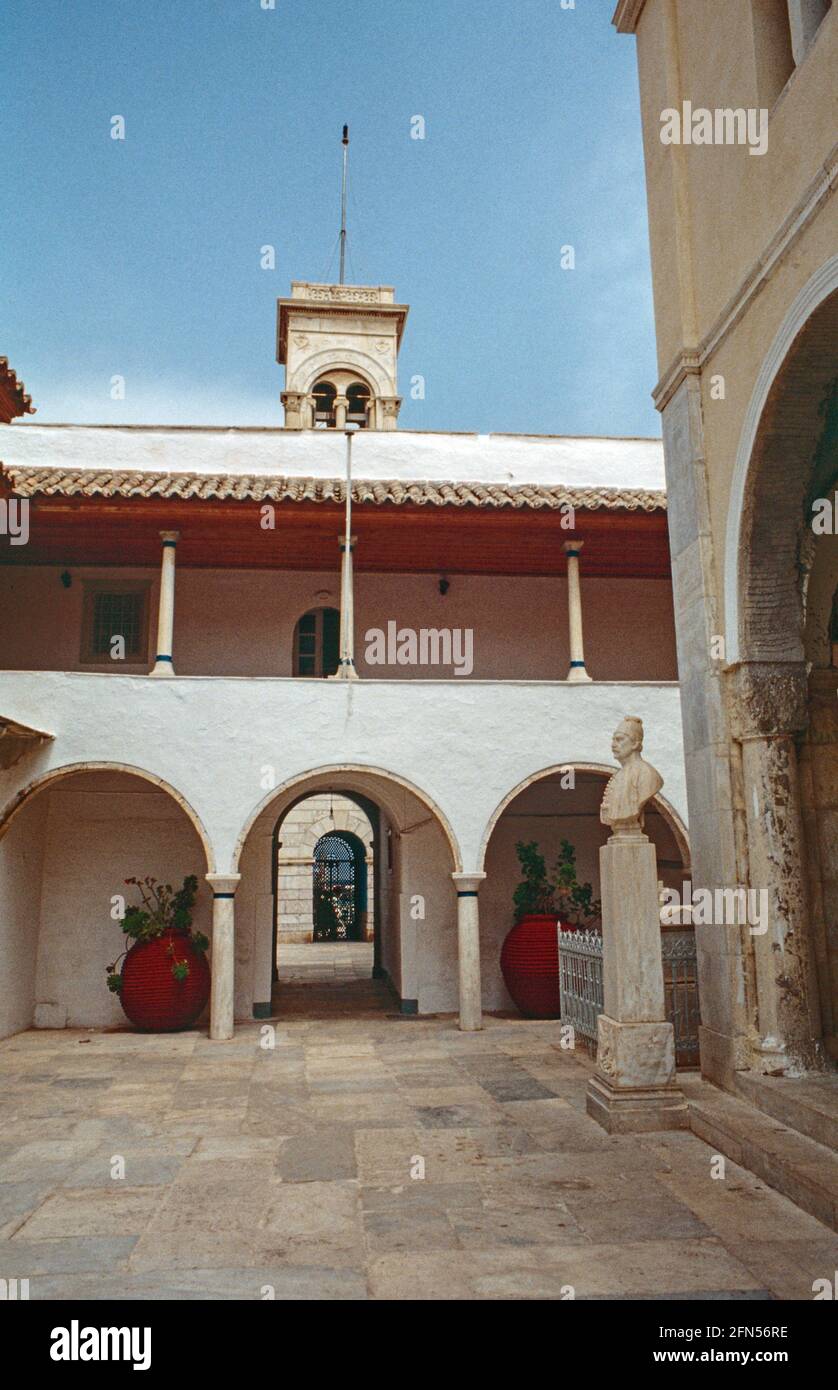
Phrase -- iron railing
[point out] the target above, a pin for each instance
(580, 982)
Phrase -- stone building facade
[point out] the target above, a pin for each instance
(196, 659)
(738, 107)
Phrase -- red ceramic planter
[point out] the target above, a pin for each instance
(529, 962)
(153, 999)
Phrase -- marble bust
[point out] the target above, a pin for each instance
(630, 789)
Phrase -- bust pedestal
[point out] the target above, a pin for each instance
(634, 1088)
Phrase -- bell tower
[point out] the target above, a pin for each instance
(339, 345)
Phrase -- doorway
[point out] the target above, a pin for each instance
(339, 888)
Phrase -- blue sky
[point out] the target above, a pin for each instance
(140, 257)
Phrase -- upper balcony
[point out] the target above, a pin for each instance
(478, 564)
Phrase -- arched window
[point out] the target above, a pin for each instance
(340, 888)
(316, 643)
(324, 405)
(358, 396)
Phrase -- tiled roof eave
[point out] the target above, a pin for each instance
(19, 400)
(31, 482)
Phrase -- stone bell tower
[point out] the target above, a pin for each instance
(339, 345)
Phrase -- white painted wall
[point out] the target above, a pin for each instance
(100, 831)
(401, 454)
(241, 622)
(464, 745)
(449, 753)
(21, 867)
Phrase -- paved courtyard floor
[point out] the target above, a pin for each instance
(363, 1157)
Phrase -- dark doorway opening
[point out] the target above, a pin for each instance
(340, 887)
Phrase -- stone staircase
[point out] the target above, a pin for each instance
(784, 1131)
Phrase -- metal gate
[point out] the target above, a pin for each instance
(580, 982)
(335, 889)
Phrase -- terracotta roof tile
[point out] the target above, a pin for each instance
(59, 482)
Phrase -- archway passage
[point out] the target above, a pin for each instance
(64, 859)
(781, 603)
(367, 921)
(560, 804)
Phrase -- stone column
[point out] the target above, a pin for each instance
(769, 708)
(468, 951)
(577, 674)
(223, 954)
(633, 1089)
(341, 407)
(389, 407)
(346, 664)
(294, 404)
(163, 664)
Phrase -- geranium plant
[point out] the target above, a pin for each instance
(162, 910)
(558, 892)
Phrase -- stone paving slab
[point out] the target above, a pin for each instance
(365, 1158)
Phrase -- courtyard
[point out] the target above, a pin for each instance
(344, 1152)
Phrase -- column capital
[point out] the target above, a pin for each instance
(572, 547)
(767, 698)
(467, 884)
(170, 537)
(223, 885)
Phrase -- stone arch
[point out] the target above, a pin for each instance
(58, 774)
(368, 780)
(70, 840)
(417, 853)
(658, 803)
(547, 808)
(772, 472)
(343, 359)
(779, 585)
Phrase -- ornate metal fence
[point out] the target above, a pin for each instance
(580, 981)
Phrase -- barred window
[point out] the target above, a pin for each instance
(115, 624)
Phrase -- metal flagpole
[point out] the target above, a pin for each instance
(343, 206)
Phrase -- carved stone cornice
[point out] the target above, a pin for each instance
(626, 15)
(767, 699)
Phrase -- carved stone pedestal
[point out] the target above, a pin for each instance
(641, 1111)
(634, 1089)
